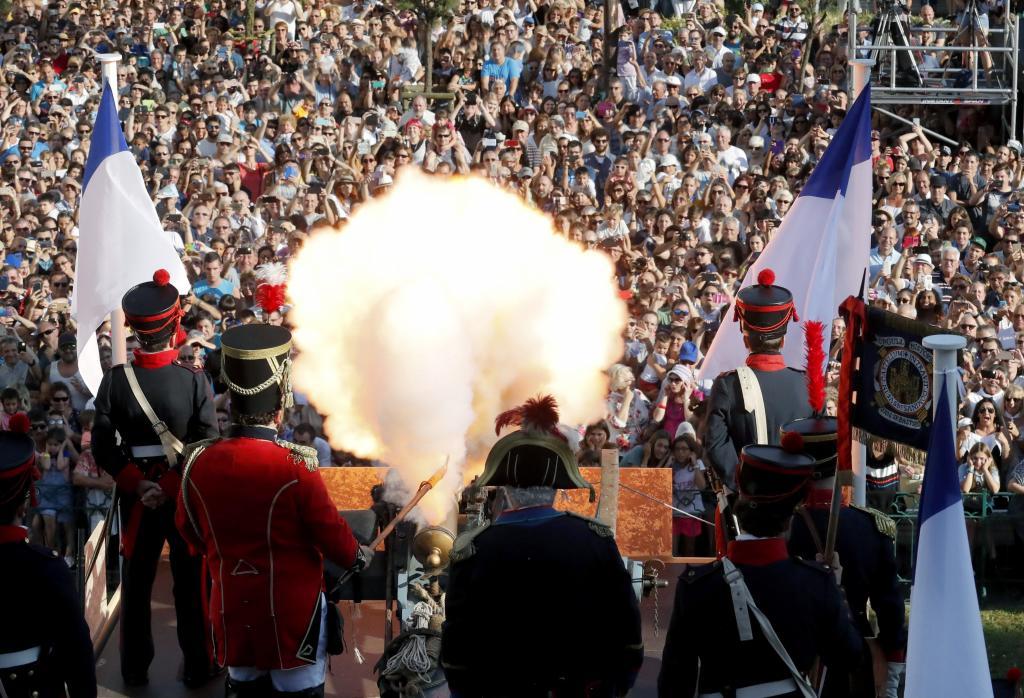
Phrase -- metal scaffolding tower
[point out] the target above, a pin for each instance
(970, 83)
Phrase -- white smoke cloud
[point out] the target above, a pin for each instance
(435, 309)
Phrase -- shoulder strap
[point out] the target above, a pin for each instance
(753, 401)
(811, 528)
(171, 445)
(742, 601)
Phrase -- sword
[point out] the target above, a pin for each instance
(664, 504)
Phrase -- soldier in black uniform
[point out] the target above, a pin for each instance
(764, 311)
(867, 554)
(539, 602)
(705, 650)
(148, 475)
(45, 649)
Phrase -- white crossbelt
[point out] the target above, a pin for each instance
(152, 451)
(13, 659)
(753, 401)
(761, 690)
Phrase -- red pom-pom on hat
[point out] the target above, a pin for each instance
(792, 442)
(766, 277)
(161, 277)
(1013, 675)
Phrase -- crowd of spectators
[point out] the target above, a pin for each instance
(678, 164)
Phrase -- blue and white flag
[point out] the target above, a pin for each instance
(822, 247)
(946, 647)
(120, 241)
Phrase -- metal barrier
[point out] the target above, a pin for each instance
(993, 521)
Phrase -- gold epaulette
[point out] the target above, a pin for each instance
(463, 549)
(883, 523)
(302, 455)
(595, 525)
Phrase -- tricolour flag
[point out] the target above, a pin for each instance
(946, 647)
(822, 247)
(121, 242)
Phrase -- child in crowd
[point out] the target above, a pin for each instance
(688, 481)
(55, 496)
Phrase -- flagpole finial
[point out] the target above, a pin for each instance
(108, 67)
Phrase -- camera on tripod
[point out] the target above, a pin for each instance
(890, 27)
(895, 6)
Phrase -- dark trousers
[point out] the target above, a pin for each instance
(137, 575)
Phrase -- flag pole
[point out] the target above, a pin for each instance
(118, 337)
(861, 77)
(944, 348)
(861, 74)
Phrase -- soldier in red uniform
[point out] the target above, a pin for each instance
(156, 404)
(258, 509)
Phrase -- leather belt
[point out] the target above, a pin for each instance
(153, 451)
(13, 659)
(761, 690)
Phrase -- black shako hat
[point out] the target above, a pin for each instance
(776, 476)
(256, 367)
(17, 467)
(763, 308)
(819, 435)
(153, 308)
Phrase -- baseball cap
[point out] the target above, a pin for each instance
(1015, 145)
(688, 353)
(520, 126)
(924, 259)
(720, 30)
(754, 77)
(757, 7)
(938, 181)
(980, 242)
(225, 138)
(673, 80)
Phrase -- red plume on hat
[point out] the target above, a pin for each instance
(538, 414)
(814, 343)
(273, 287)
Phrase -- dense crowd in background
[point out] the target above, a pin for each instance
(679, 165)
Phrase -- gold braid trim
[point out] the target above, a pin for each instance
(281, 374)
(301, 455)
(189, 455)
(253, 354)
(595, 525)
(883, 523)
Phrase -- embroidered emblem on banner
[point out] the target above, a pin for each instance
(902, 381)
